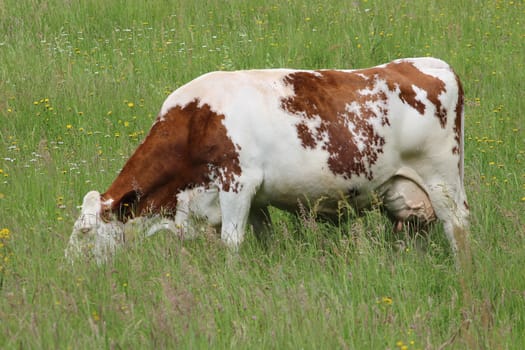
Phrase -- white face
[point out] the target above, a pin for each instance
(93, 238)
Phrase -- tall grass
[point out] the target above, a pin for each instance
(80, 84)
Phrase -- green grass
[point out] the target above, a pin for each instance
(80, 85)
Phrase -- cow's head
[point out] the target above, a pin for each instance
(94, 235)
(98, 232)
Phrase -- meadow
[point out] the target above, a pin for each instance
(80, 85)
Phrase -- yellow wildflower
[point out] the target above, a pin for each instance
(387, 300)
(4, 233)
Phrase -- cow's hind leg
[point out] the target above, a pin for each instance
(449, 203)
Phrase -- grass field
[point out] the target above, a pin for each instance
(82, 81)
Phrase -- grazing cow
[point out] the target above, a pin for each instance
(228, 144)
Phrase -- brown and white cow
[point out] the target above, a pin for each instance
(228, 144)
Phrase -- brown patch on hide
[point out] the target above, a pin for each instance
(458, 122)
(404, 75)
(458, 125)
(326, 95)
(338, 110)
(188, 146)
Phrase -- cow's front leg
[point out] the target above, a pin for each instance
(235, 209)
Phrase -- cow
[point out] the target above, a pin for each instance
(227, 145)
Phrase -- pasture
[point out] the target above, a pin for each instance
(80, 85)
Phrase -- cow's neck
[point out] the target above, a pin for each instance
(154, 165)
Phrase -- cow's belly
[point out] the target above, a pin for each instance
(401, 196)
(307, 181)
(314, 187)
